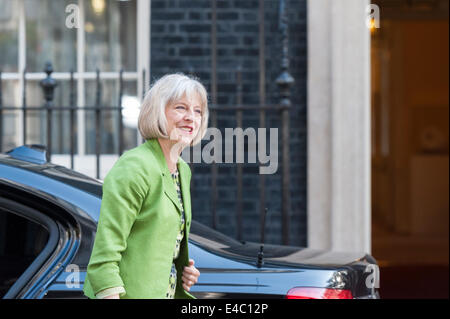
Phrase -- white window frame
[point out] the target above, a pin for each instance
(143, 17)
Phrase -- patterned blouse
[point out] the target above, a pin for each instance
(173, 273)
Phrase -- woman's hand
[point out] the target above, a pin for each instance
(190, 275)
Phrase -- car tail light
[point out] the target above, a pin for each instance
(318, 293)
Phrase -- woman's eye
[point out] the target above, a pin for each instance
(198, 111)
(180, 107)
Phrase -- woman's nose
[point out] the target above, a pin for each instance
(189, 115)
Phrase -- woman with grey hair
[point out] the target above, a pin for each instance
(141, 245)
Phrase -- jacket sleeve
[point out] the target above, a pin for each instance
(124, 190)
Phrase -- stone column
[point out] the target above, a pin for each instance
(339, 216)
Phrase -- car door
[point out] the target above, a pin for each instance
(27, 239)
(36, 243)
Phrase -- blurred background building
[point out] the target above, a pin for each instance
(367, 126)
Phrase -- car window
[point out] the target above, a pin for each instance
(21, 241)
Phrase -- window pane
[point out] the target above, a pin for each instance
(109, 143)
(110, 28)
(9, 22)
(37, 119)
(11, 95)
(48, 38)
(108, 118)
(9, 118)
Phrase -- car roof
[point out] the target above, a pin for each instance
(82, 192)
(60, 173)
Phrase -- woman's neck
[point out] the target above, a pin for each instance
(171, 153)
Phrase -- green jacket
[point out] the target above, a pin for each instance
(139, 220)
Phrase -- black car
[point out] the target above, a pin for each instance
(48, 219)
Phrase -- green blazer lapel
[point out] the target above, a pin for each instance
(169, 187)
(170, 191)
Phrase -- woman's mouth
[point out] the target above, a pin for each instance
(187, 129)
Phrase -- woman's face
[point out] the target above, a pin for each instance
(184, 117)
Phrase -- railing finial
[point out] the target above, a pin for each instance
(48, 85)
(284, 80)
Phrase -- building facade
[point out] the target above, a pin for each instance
(146, 39)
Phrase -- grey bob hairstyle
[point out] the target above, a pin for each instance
(152, 122)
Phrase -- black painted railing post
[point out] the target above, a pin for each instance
(48, 86)
(284, 82)
(24, 106)
(1, 113)
(262, 112)
(120, 116)
(239, 168)
(191, 73)
(143, 83)
(98, 102)
(144, 91)
(72, 118)
(214, 120)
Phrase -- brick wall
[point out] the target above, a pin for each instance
(181, 42)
